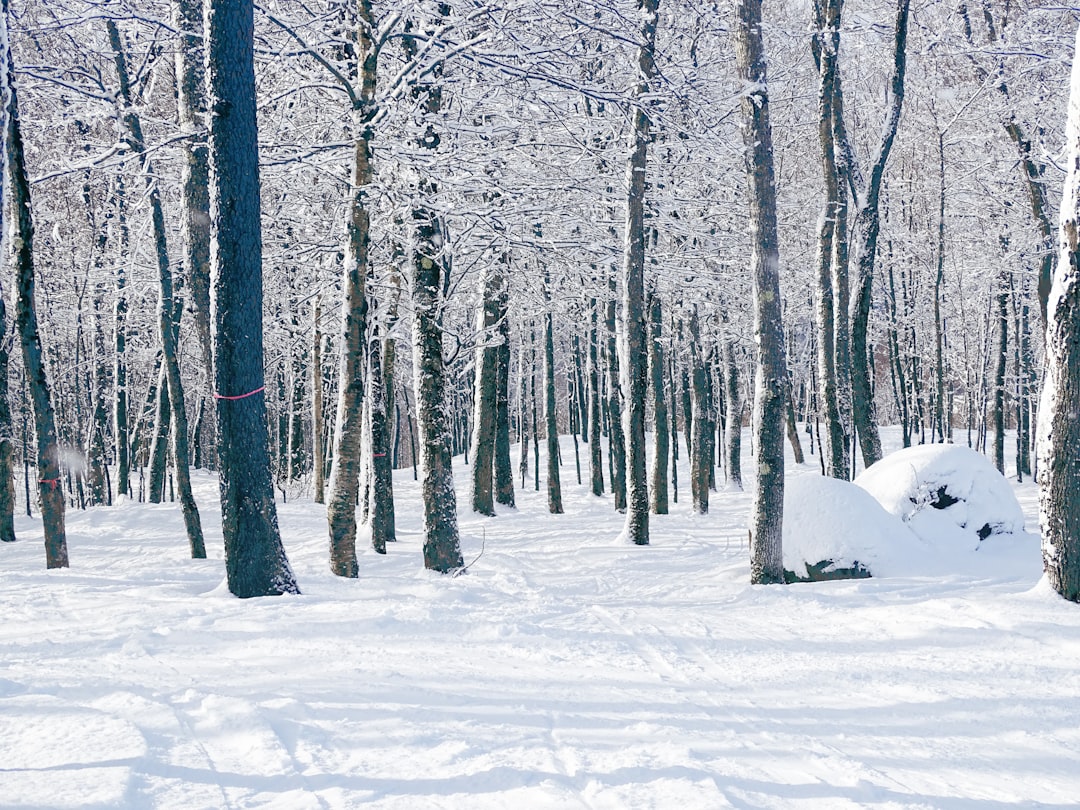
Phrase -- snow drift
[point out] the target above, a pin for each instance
(836, 530)
(947, 495)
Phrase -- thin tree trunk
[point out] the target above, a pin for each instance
(554, 487)
(187, 18)
(504, 474)
(766, 557)
(345, 478)
(635, 341)
(483, 432)
(120, 396)
(318, 427)
(661, 431)
(50, 493)
(616, 439)
(596, 462)
(700, 447)
(734, 417)
(167, 324)
(999, 375)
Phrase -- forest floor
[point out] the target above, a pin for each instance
(565, 670)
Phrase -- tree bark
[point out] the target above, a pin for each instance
(442, 549)
(596, 462)
(662, 433)
(766, 557)
(733, 428)
(1058, 427)
(50, 493)
(255, 560)
(484, 393)
(167, 324)
(616, 438)
(635, 314)
(504, 473)
(345, 477)
(700, 447)
(551, 416)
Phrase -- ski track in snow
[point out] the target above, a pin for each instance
(565, 670)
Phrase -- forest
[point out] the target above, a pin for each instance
(324, 241)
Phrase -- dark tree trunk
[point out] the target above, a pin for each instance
(167, 322)
(551, 417)
(596, 462)
(766, 557)
(50, 493)
(662, 433)
(442, 549)
(381, 517)
(616, 439)
(7, 429)
(504, 473)
(733, 428)
(98, 472)
(255, 559)
(999, 375)
(159, 443)
(483, 427)
(701, 446)
(120, 400)
(636, 330)
(318, 427)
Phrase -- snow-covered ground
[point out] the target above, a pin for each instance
(564, 671)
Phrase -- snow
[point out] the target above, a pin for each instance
(826, 519)
(565, 670)
(974, 502)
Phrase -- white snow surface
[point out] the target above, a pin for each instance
(908, 481)
(827, 519)
(565, 670)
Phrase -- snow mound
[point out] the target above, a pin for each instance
(945, 494)
(835, 530)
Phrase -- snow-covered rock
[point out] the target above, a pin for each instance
(836, 530)
(946, 494)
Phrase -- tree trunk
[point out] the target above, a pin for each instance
(167, 323)
(999, 375)
(700, 447)
(50, 493)
(187, 18)
(554, 487)
(255, 559)
(1058, 427)
(734, 417)
(596, 462)
(616, 439)
(939, 278)
(766, 557)
(7, 429)
(318, 427)
(345, 478)
(504, 473)
(159, 443)
(662, 433)
(381, 517)
(483, 432)
(120, 395)
(97, 474)
(442, 549)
